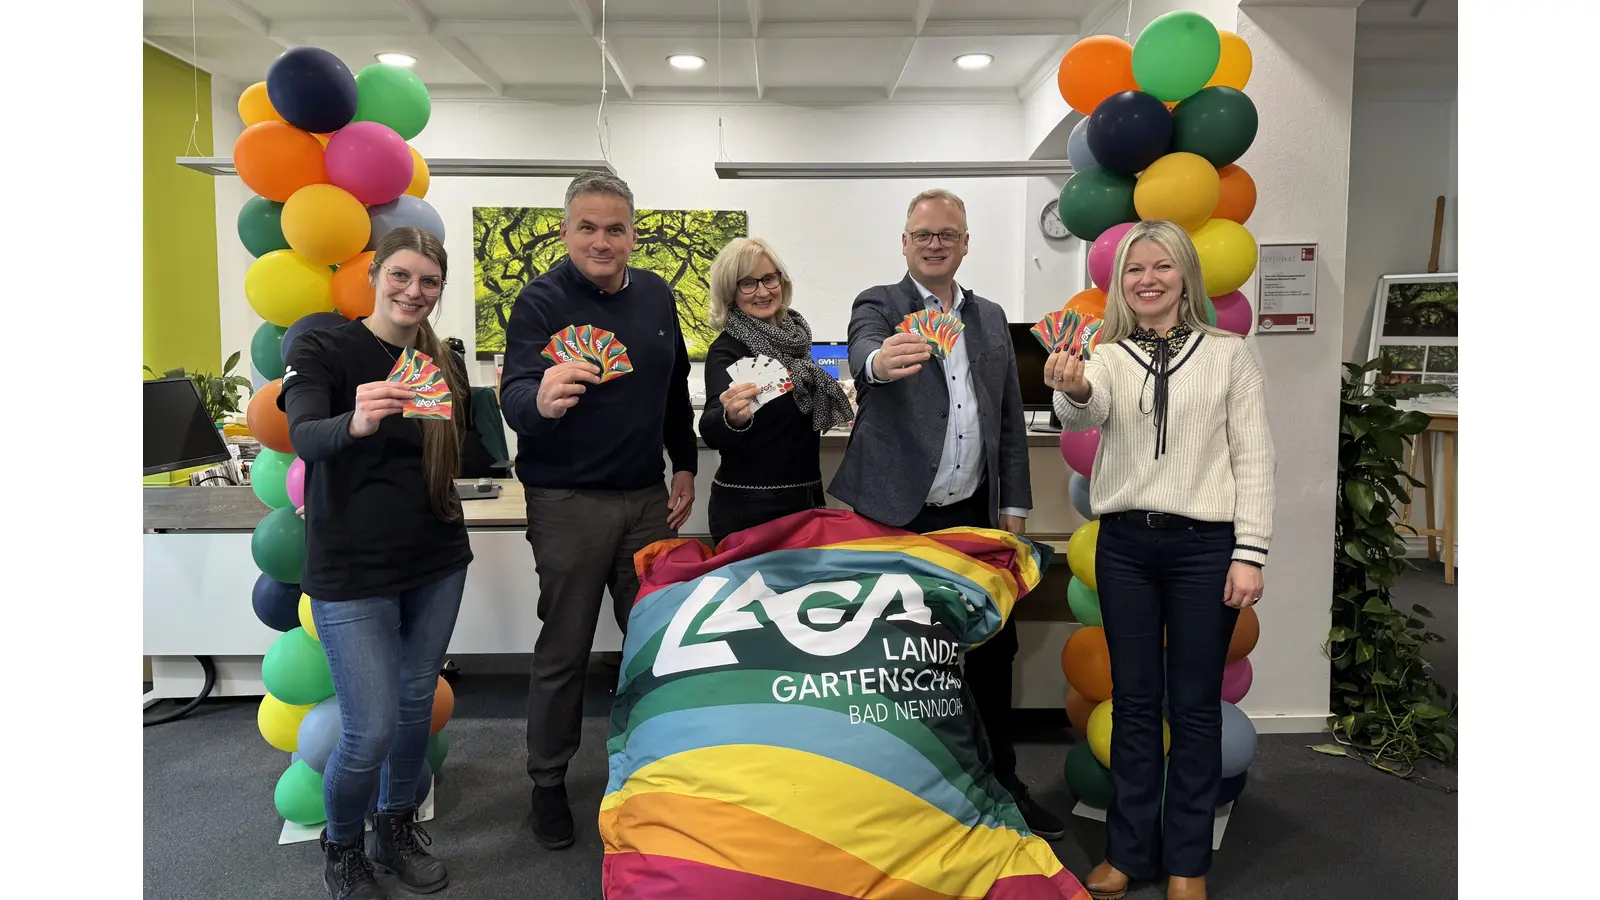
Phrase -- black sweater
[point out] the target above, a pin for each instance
(612, 439)
(777, 448)
(370, 525)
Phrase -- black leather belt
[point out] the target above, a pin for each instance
(1158, 520)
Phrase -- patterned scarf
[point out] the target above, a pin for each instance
(815, 391)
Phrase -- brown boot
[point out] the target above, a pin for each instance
(1186, 888)
(1106, 883)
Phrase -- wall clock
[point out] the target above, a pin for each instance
(1050, 221)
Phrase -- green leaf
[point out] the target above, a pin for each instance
(1445, 741)
(1421, 610)
(1355, 550)
(1364, 651)
(1428, 711)
(1331, 749)
(1382, 680)
(1361, 496)
(1339, 633)
(1376, 606)
(232, 361)
(1389, 444)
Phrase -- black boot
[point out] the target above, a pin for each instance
(1041, 821)
(397, 847)
(552, 817)
(348, 873)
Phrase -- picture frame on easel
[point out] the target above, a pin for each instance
(1415, 325)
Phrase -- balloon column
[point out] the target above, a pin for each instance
(1166, 119)
(325, 152)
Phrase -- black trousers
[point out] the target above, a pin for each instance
(735, 509)
(1150, 578)
(988, 667)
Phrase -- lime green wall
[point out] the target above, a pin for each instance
(182, 324)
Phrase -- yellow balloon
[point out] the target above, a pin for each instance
(419, 175)
(1080, 552)
(1181, 187)
(1100, 734)
(306, 622)
(1228, 255)
(255, 106)
(280, 722)
(1233, 68)
(283, 286)
(323, 138)
(326, 224)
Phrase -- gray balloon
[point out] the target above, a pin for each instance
(1238, 741)
(1078, 490)
(1078, 147)
(406, 211)
(319, 732)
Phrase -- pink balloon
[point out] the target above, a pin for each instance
(296, 483)
(1103, 253)
(1236, 678)
(1078, 449)
(1233, 313)
(369, 160)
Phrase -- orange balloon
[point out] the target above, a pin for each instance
(275, 159)
(1093, 69)
(1245, 634)
(419, 175)
(1091, 302)
(1078, 709)
(1086, 661)
(353, 293)
(444, 705)
(267, 422)
(1238, 198)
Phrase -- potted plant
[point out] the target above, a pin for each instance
(219, 392)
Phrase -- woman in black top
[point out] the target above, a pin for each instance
(771, 458)
(386, 557)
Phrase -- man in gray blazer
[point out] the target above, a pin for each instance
(943, 443)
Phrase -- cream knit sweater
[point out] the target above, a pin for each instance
(1219, 460)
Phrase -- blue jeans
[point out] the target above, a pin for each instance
(385, 654)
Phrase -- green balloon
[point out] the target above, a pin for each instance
(1096, 199)
(1219, 124)
(393, 96)
(1085, 602)
(298, 795)
(295, 669)
(266, 350)
(1089, 781)
(278, 545)
(1211, 313)
(260, 229)
(438, 749)
(1176, 55)
(269, 477)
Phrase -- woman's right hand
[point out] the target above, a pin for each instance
(1063, 371)
(738, 405)
(376, 401)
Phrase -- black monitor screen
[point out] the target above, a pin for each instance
(178, 434)
(1036, 395)
(833, 358)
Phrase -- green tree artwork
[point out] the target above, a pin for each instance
(514, 245)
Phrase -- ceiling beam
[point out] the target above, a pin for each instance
(580, 8)
(427, 24)
(256, 22)
(919, 19)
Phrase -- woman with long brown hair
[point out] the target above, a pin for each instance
(386, 558)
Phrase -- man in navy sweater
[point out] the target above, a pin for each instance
(590, 457)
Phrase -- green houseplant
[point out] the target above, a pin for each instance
(1387, 708)
(220, 392)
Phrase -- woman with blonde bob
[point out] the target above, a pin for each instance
(1183, 485)
(770, 459)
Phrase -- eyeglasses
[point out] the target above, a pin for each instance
(400, 279)
(771, 281)
(947, 238)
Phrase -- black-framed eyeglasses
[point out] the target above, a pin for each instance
(947, 238)
(771, 282)
(400, 279)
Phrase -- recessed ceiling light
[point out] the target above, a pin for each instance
(397, 59)
(974, 60)
(686, 61)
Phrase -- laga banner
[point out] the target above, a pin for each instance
(791, 719)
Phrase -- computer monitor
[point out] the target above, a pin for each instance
(833, 357)
(178, 434)
(1031, 357)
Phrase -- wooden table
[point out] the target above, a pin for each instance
(1444, 425)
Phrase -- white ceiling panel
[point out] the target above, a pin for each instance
(496, 9)
(838, 10)
(561, 62)
(974, 10)
(644, 60)
(833, 63)
(932, 63)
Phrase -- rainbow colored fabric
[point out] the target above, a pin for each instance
(789, 723)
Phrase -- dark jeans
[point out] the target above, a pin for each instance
(735, 509)
(1149, 578)
(583, 544)
(385, 654)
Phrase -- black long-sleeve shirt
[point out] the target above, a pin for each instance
(778, 447)
(370, 525)
(612, 439)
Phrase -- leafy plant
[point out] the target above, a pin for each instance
(220, 392)
(1387, 708)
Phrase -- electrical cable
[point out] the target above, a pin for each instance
(210, 669)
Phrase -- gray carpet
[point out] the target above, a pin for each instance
(1309, 826)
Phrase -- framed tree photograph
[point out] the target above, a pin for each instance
(1415, 328)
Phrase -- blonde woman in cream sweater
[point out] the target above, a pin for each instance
(1182, 483)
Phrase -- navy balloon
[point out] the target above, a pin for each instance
(312, 89)
(309, 323)
(403, 212)
(1230, 788)
(1078, 490)
(1130, 130)
(277, 605)
(1078, 152)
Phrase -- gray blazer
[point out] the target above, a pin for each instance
(898, 437)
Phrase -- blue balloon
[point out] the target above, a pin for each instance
(310, 323)
(1230, 788)
(405, 211)
(1130, 130)
(312, 89)
(277, 605)
(1238, 741)
(1078, 490)
(319, 734)
(1078, 152)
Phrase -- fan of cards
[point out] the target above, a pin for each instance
(416, 371)
(765, 373)
(1069, 330)
(938, 328)
(587, 343)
